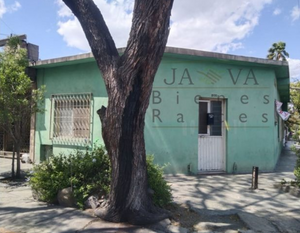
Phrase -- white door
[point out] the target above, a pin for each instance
(211, 137)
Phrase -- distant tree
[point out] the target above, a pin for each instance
(295, 95)
(17, 99)
(128, 79)
(293, 122)
(277, 52)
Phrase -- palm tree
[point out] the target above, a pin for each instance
(277, 52)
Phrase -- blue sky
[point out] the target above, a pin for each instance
(240, 27)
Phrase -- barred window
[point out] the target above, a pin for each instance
(71, 116)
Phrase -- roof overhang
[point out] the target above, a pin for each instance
(281, 68)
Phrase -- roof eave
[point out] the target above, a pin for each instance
(168, 51)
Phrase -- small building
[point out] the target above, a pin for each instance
(209, 112)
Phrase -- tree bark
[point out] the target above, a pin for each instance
(128, 79)
(13, 163)
(18, 171)
(15, 134)
(17, 144)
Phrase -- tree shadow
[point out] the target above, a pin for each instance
(54, 218)
(14, 182)
(226, 194)
(186, 216)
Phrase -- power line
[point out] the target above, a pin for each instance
(12, 31)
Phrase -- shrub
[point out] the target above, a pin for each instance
(87, 172)
(162, 191)
(297, 168)
(293, 148)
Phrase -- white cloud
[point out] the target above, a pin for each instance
(10, 8)
(63, 11)
(14, 7)
(117, 14)
(224, 48)
(277, 11)
(294, 65)
(2, 8)
(295, 13)
(206, 25)
(73, 34)
(214, 25)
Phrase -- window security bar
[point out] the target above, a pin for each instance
(71, 117)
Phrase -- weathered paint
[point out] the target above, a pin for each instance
(172, 119)
(80, 78)
(171, 129)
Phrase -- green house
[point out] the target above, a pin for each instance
(209, 112)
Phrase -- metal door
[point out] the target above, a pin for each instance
(211, 138)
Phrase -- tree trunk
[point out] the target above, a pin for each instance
(18, 171)
(17, 145)
(13, 163)
(123, 134)
(128, 79)
(13, 131)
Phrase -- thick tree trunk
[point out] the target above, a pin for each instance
(128, 79)
(123, 133)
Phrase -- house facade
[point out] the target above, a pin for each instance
(208, 112)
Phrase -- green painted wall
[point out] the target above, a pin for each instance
(171, 131)
(249, 94)
(80, 78)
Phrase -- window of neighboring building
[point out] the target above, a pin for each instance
(71, 116)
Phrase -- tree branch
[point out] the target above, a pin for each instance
(148, 38)
(95, 29)
(101, 112)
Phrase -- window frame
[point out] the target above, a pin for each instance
(209, 109)
(70, 102)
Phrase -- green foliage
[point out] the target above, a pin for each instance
(295, 95)
(293, 122)
(13, 44)
(297, 168)
(87, 172)
(162, 191)
(294, 126)
(293, 148)
(16, 98)
(277, 51)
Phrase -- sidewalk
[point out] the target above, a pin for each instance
(263, 210)
(20, 213)
(5, 167)
(228, 194)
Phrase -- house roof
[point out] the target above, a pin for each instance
(281, 68)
